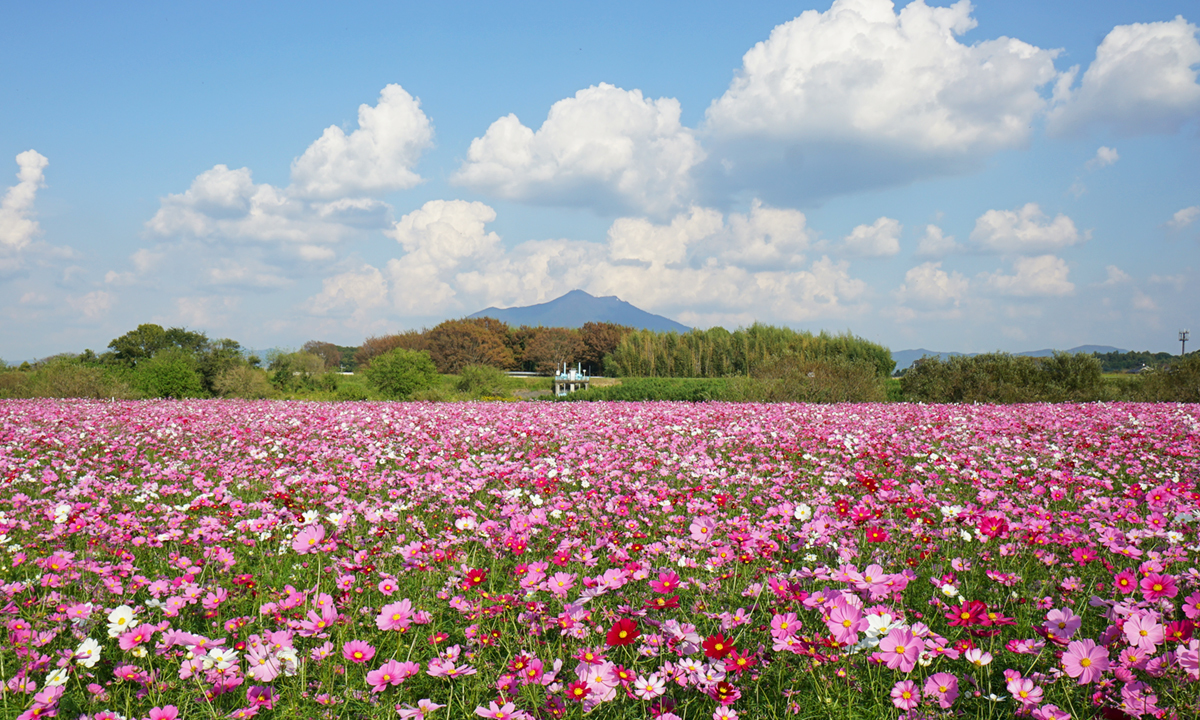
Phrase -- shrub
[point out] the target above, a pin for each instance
(794, 379)
(650, 389)
(243, 381)
(1177, 382)
(1005, 378)
(399, 373)
(170, 373)
(63, 377)
(479, 380)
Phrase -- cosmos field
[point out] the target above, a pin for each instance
(210, 559)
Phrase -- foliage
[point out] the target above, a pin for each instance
(399, 373)
(328, 352)
(291, 371)
(1116, 362)
(377, 345)
(64, 377)
(549, 348)
(652, 389)
(716, 352)
(1005, 378)
(172, 372)
(1176, 382)
(480, 380)
(600, 339)
(144, 342)
(455, 344)
(243, 381)
(792, 379)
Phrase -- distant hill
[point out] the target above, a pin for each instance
(905, 358)
(576, 308)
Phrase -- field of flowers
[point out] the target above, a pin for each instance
(212, 559)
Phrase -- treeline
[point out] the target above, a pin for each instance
(152, 361)
(717, 352)
(457, 344)
(1063, 377)
(1134, 361)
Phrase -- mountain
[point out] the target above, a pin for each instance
(905, 358)
(576, 308)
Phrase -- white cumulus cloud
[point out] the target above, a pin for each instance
(1039, 276)
(1183, 218)
(935, 242)
(1025, 230)
(1143, 80)
(882, 238)
(861, 96)
(606, 148)
(700, 265)
(1114, 276)
(17, 226)
(225, 204)
(1105, 156)
(377, 157)
(927, 285)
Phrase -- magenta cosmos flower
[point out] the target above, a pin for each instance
(358, 651)
(1158, 585)
(1085, 661)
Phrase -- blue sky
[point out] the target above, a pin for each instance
(1002, 175)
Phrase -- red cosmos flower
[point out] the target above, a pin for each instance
(475, 578)
(737, 662)
(972, 612)
(662, 603)
(718, 646)
(875, 534)
(577, 691)
(623, 632)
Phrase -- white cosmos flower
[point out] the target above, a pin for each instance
(88, 653)
(802, 512)
(120, 620)
(57, 677)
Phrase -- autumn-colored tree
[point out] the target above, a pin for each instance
(375, 346)
(551, 347)
(456, 344)
(326, 351)
(599, 339)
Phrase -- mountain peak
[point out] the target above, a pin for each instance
(577, 307)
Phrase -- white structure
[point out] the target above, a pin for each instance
(567, 380)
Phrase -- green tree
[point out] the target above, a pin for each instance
(399, 373)
(173, 373)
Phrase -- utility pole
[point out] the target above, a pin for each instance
(1183, 336)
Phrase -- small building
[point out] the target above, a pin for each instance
(567, 380)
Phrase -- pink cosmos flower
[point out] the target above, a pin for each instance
(1144, 631)
(135, 637)
(166, 712)
(424, 705)
(942, 686)
(390, 673)
(701, 529)
(900, 649)
(1050, 712)
(1062, 624)
(309, 539)
(845, 622)
(395, 616)
(497, 712)
(358, 651)
(1024, 691)
(1085, 661)
(905, 695)
(784, 625)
